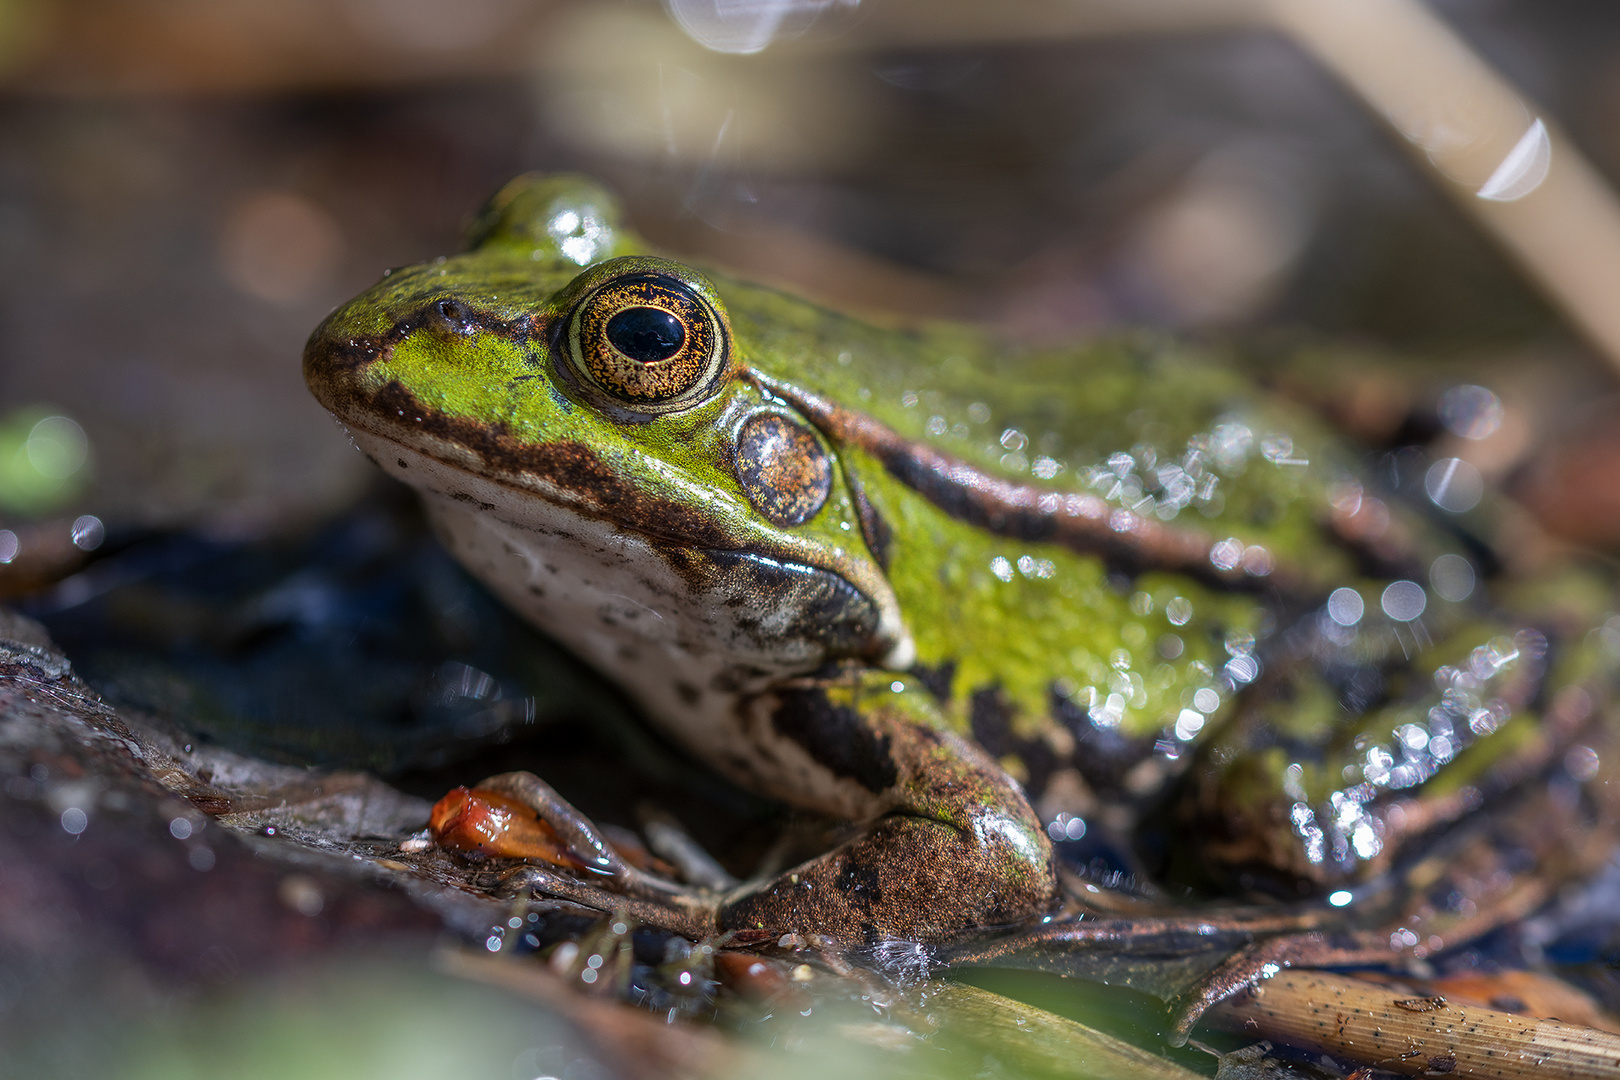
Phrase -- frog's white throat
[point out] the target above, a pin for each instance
(686, 651)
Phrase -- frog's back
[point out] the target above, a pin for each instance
(1356, 658)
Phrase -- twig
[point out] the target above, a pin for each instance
(1373, 1025)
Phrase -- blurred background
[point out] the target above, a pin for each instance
(188, 186)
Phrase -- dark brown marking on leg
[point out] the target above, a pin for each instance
(990, 715)
(907, 878)
(836, 737)
(936, 680)
(958, 849)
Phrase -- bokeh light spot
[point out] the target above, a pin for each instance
(1404, 601)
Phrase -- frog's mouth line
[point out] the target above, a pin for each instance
(571, 475)
(566, 472)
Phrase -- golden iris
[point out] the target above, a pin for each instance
(648, 340)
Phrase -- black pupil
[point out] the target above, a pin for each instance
(646, 334)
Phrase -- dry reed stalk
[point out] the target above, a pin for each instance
(1369, 1024)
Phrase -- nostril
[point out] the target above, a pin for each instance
(455, 315)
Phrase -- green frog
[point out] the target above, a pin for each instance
(978, 599)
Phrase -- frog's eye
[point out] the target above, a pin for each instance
(649, 340)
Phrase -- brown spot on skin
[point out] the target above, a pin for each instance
(990, 715)
(688, 693)
(861, 884)
(783, 469)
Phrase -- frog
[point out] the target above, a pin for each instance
(976, 598)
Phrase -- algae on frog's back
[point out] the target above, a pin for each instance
(1030, 620)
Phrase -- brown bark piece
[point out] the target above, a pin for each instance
(1369, 1024)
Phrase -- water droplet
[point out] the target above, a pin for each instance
(88, 533)
(1582, 763)
(1189, 723)
(1452, 578)
(1403, 601)
(1345, 606)
(1454, 485)
(1242, 669)
(1257, 561)
(1226, 554)
(1472, 412)
(1277, 447)
(57, 447)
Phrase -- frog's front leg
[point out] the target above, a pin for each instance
(950, 842)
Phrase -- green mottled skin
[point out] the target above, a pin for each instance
(1068, 624)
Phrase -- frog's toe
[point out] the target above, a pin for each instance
(907, 877)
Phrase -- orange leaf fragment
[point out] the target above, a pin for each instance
(489, 823)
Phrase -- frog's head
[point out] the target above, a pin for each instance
(560, 381)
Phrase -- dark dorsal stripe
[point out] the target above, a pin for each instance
(1077, 520)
